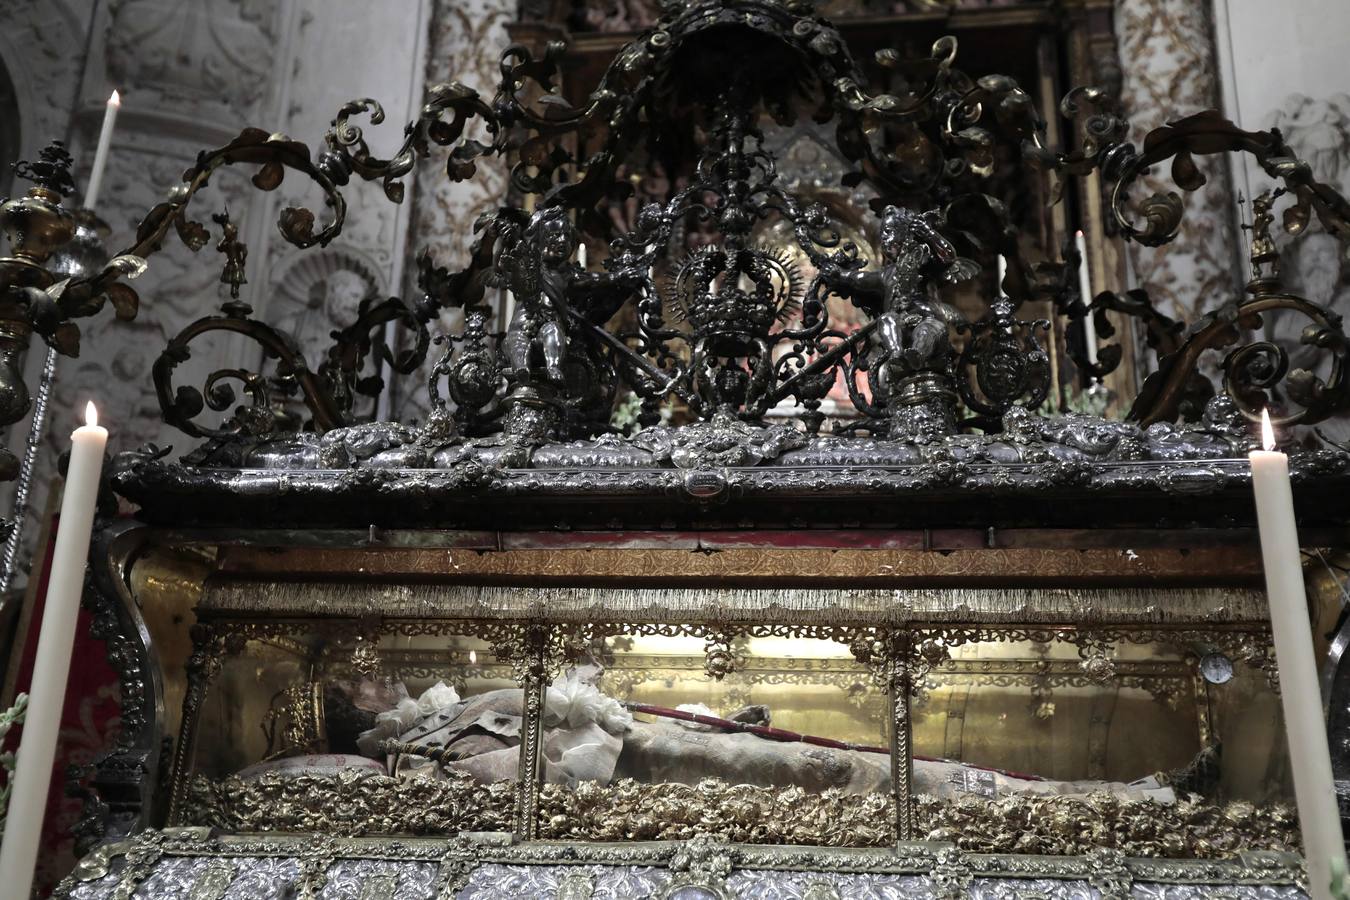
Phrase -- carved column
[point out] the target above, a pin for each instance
(534, 680)
(889, 655)
(1169, 69)
(900, 685)
(208, 648)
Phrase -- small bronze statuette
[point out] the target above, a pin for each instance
(236, 253)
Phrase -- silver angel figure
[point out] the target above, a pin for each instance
(553, 295)
(911, 323)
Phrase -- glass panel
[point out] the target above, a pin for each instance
(1029, 747)
(789, 747)
(417, 735)
(1035, 710)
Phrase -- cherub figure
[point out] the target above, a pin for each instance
(548, 286)
(911, 327)
(1265, 257)
(235, 251)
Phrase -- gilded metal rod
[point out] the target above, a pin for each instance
(202, 667)
(37, 427)
(902, 737)
(530, 775)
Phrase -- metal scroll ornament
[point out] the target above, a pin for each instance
(689, 310)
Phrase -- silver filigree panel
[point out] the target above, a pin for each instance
(380, 879)
(100, 889)
(496, 882)
(1032, 889)
(1234, 892)
(502, 882)
(177, 879)
(272, 878)
(263, 878)
(766, 885)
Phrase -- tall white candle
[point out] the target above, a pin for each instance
(101, 153)
(37, 749)
(1002, 273)
(1309, 756)
(1085, 291)
(581, 255)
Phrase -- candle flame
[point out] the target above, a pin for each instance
(90, 414)
(115, 99)
(1079, 233)
(1267, 431)
(473, 657)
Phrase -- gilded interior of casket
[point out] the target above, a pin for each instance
(725, 703)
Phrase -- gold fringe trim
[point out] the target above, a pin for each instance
(1075, 606)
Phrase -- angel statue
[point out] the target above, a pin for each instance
(911, 324)
(554, 294)
(910, 336)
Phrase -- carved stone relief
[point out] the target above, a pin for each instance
(635, 15)
(192, 75)
(35, 50)
(315, 290)
(1318, 130)
(340, 50)
(215, 59)
(1283, 66)
(1167, 51)
(181, 286)
(318, 290)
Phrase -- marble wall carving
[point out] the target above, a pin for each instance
(626, 16)
(35, 50)
(465, 45)
(1317, 130)
(193, 73)
(340, 50)
(214, 58)
(1283, 65)
(1169, 70)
